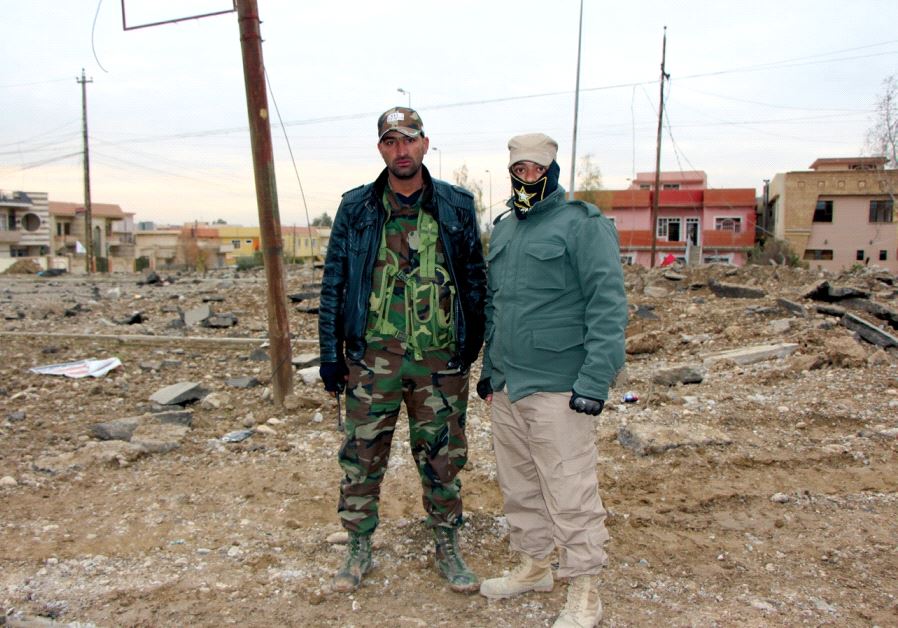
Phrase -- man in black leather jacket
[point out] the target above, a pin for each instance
(400, 320)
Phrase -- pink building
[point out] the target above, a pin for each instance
(837, 214)
(694, 225)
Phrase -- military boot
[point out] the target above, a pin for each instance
(356, 564)
(450, 563)
(530, 575)
(583, 608)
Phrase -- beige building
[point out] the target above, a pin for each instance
(24, 228)
(112, 234)
(837, 214)
(157, 249)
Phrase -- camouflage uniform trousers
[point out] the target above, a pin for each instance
(436, 399)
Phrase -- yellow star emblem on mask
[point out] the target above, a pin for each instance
(523, 197)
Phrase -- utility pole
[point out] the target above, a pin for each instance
(88, 227)
(657, 192)
(576, 108)
(266, 198)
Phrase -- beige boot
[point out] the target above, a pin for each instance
(583, 608)
(530, 575)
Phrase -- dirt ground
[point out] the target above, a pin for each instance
(763, 495)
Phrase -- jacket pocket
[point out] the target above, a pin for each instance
(545, 266)
(557, 339)
(494, 265)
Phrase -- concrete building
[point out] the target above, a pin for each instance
(837, 214)
(694, 224)
(156, 248)
(112, 236)
(24, 228)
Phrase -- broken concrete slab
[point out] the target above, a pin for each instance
(221, 321)
(750, 355)
(681, 374)
(735, 291)
(175, 417)
(158, 438)
(823, 291)
(242, 382)
(197, 315)
(792, 307)
(869, 332)
(304, 360)
(177, 394)
(118, 429)
(656, 439)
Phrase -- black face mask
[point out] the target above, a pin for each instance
(526, 195)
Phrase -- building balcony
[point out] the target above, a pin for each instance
(10, 236)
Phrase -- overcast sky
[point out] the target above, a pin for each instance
(756, 88)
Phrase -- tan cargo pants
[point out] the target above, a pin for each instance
(546, 461)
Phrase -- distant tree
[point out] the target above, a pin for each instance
(324, 220)
(220, 221)
(589, 176)
(463, 179)
(882, 137)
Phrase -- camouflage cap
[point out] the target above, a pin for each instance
(401, 119)
(536, 147)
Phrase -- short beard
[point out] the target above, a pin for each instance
(404, 175)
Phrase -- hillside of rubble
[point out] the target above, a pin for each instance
(748, 459)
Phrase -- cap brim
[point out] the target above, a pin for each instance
(404, 130)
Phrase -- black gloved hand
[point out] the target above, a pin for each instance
(484, 388)
(456, 362)
(586, 405)
(334, 376)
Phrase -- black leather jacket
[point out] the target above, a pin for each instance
(352, 252)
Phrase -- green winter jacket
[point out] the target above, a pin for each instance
(556, 309)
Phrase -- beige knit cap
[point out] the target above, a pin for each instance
(536, 147)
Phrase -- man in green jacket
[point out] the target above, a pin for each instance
(556, 314)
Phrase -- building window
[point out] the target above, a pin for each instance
(645, 186)
(670, 186)
(719, 259)
(249, 242)
(669, 228)
(627, 259)
(883, 255)
(881, 211)
(18, 251)
(235, 244)
(818, 254)
(859, 255)
(823, 212)
(728, 223)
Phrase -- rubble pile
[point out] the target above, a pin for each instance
(748, 460)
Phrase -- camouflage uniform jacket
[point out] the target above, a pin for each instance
(352, 253)
(556, 309)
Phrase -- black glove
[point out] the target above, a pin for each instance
(484, 388)
(586, 405)
(456, 362)
(333, 374)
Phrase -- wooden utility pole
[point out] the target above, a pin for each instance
(656, 193)
(88, 227)
(266, 198)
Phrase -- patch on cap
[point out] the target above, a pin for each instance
(401, 119)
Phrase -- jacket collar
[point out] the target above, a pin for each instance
(427, 199)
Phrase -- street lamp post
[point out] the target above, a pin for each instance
(440, 157)
(491, 195)
(409, 94)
